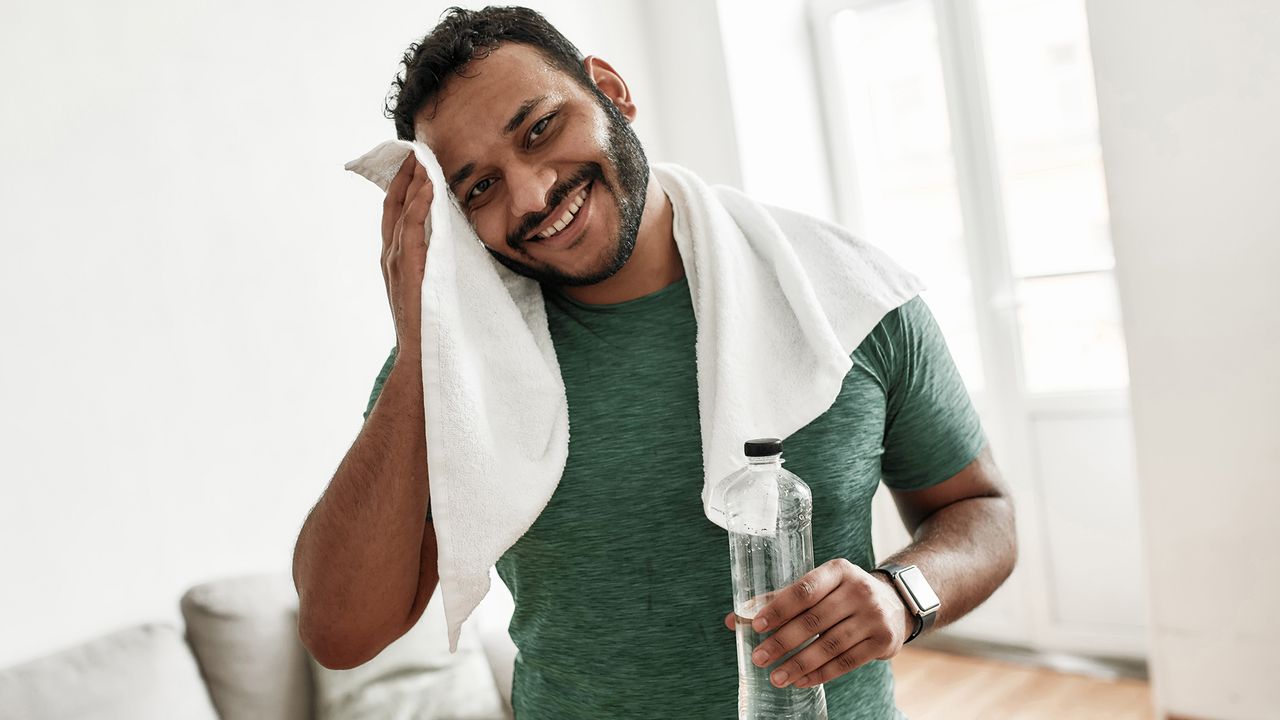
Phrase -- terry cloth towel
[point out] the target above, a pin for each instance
(781, 301)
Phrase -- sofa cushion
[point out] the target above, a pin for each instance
(244, 632)
(138, 673)
(415, 677)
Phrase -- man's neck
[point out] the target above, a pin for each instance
(655, 263)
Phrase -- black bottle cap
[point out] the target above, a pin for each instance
(762, 447)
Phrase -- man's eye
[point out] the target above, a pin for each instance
(539, 127)
(480, 186)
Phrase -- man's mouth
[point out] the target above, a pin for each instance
(565, 219)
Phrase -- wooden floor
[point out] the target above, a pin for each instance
(935, 685)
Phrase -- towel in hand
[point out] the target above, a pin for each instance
(781, 301)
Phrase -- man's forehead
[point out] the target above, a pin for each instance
(473, 110)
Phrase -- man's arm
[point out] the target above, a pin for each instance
(964, 537)
(365, 561)
(964, 543)
(962, 526)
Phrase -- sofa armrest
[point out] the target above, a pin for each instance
(244, 632)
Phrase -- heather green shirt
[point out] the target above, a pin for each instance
(622, 584)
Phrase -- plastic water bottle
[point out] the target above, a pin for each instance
(769, 514)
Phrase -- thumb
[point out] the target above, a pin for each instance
(728, 621)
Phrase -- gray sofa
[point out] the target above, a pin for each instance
(239, 658)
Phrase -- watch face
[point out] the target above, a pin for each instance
(920, 591)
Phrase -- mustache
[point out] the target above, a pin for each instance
(591, 171)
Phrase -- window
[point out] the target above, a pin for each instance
(965, 143)
(903, 166)
(1044, 119)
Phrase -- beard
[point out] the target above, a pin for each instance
(631, 168)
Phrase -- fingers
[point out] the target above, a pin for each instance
(826, 648)
(409, 235)
(820, 618)
(393, 204)
(800, 596)
(847, 661)
(419, 198)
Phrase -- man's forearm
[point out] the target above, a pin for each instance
(966, 550)
(358, 557)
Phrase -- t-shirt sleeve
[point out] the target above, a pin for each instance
(381, 380)
(932, 430)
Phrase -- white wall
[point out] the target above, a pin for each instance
(191, 306)
(776, 109)
(1189, 101)
(695, 116)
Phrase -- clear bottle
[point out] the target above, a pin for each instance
(769, 512)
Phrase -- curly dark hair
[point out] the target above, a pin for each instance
(466, 35)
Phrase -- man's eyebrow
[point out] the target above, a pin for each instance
(463, 173)
(516, 120)
(522, 113)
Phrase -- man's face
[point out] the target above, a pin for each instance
(519, 143)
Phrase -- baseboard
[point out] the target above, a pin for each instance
(1099, 667)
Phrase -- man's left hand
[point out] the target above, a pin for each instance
(857, 616)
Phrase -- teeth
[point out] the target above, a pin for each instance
(567, 217)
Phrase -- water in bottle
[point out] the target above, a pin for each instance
(768, 511)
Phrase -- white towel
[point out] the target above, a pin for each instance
(781, 300)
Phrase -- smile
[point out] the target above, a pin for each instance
(565, 220)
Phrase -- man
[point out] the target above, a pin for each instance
(622, 584)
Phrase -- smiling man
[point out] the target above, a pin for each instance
(622, 584)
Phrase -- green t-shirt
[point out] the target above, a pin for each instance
(622, 584)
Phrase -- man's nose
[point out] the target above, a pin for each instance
(530, 187)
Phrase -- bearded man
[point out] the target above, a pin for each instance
(620, 613)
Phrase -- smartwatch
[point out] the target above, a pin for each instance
(919, 598)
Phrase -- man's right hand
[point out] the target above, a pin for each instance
(404, 249)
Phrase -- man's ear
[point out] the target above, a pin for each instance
(611, 84)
